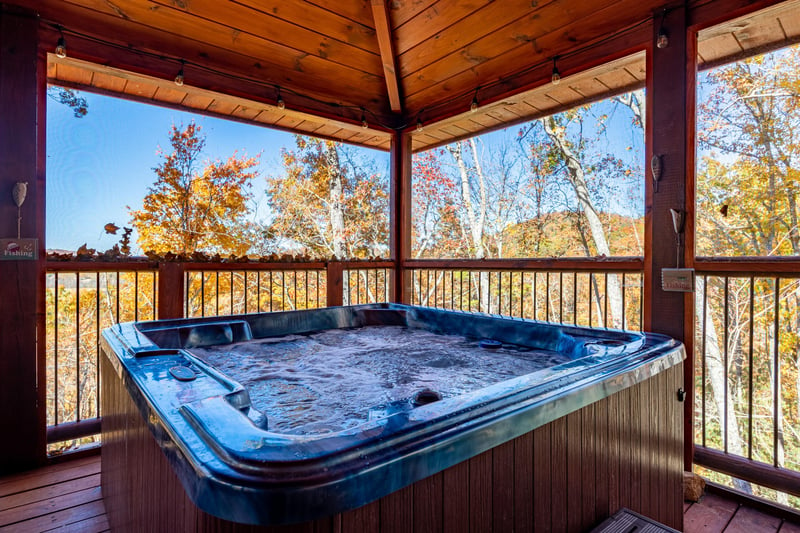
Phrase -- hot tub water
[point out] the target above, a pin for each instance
(337, 379)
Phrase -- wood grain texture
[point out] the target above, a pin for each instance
(332, 60)
(383, 30)
(20, 90)
(400, 214)
(529, 482)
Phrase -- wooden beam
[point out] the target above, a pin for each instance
(400, 215)
(668, 136)
(383, 30)
(22, 97)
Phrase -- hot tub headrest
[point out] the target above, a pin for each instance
(203, 334)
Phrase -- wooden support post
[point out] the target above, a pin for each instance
(670, 132)
(400, 217)
(22, 113)
(335, 283)
(171, 290)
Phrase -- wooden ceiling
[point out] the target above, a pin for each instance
(392, 62)
(75, 73)
(759, 32)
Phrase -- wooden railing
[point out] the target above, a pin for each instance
(581, 292)
(83, 298)
(747, 382)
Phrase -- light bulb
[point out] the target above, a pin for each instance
(179, 76)
(474, 105)
(662, 41)
(61, 48)
(419, 125)
(364, 123)
(556, 77)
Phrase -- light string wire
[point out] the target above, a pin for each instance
(280, 89)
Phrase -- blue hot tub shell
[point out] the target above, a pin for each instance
(232, 466)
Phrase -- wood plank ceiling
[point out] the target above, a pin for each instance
(390, 63)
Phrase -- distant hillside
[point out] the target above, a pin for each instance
(560, 235)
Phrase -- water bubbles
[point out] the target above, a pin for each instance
(338, 379)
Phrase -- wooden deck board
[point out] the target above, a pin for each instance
(716, 514)
(66, 497)
(711, 514)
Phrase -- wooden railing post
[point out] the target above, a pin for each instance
(335, 283)
(171, 290)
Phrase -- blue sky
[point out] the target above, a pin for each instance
(101, 163)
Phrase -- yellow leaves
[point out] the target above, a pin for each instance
(189, 209)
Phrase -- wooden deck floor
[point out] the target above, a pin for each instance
(716, 514)
(66, 497)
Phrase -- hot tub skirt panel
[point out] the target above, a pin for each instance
(570, 474)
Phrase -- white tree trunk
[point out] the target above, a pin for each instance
(717, 374)
(476, 222)
(577, 179)
(336, 200)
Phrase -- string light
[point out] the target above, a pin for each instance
(474, 105)
(419, 125)
(662, 40)
(364, 123)
(556, 77)
(179, 77)
(61, 46)
(279, 101)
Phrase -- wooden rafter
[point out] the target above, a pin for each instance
(383, 30)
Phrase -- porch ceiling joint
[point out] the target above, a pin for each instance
(383, 31)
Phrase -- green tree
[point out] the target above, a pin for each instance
(197, 206)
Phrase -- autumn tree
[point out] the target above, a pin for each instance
(328, 201)
(747, 205)
(436, 227)
(588, 178)
(196, 205)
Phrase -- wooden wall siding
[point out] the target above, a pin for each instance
(106, 80)
(568, 475)
(762, 31)
(615, 77)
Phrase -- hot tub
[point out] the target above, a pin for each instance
(316, 417)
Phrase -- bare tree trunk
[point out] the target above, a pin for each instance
(335, 199)
(476, 222)
(577, 178)
(635, 101)
(481, 189)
